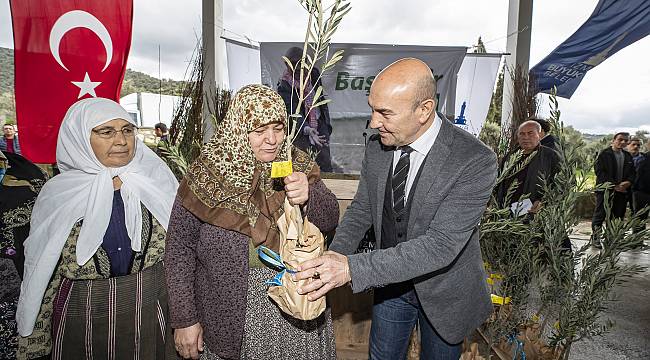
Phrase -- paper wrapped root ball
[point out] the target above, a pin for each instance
(300, 240)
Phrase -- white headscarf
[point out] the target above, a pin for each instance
(84, 190)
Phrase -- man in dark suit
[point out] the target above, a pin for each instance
(613, 165)
(424, 199)
(547, 139)
(543, 165)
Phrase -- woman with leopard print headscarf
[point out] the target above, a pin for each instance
(226, 207)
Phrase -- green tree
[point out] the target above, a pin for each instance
(494, 114)
(642, 135)
(490, 135)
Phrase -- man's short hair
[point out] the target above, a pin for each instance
(634, 138)
(5, 125)
(161, 126)
(537, 125)
(545, 124)
(623, 133)
(425, 89)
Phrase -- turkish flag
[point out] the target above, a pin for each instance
(65, 50)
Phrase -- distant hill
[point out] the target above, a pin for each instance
(6, 70)
(592, 137)
(134, 81)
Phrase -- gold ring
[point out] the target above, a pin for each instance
(316, 275)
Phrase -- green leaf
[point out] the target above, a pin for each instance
(288, 62)
(319, 91)
(320, 103)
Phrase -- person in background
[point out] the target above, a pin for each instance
(9, 141)
(546, 139)
(314, 130)
(227, 206)
(543, 165)
(641, 187)
(613, 165)
(20, 182)
(94, 284)
(160, 129)
(634, 148)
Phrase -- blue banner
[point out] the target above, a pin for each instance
(613, 25)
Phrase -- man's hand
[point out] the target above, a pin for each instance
(296, 187)
(189, 341)
(328, 272)
(622, 187)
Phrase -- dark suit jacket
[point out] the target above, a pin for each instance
(605, 167)
(549, 141)
(544, 165)
(441, 254)
(642, 179)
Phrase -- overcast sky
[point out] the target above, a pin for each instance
(613, 96)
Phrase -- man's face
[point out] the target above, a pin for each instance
(634, 147)
(8, 131)
(393, 114)
(158, 132)
(620, 142)
(528, 137)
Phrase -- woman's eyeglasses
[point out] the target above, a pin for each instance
(109, 133)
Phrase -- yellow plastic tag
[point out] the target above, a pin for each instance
(281, 169)
(496, 276)
(500, 300)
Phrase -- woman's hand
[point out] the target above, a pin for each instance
(189, 341)
(296, 187)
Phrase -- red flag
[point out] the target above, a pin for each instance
(65, 50)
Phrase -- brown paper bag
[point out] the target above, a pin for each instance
(300, 240)
(470, 352)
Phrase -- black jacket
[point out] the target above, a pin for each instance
(549, 141)
(642, 179)
(605, 167)
(545, 162)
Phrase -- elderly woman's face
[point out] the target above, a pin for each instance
(266, 141)
(113, 142)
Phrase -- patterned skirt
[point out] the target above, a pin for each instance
(270, 334)
(118, 318)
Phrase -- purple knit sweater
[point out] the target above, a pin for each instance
(207, 271)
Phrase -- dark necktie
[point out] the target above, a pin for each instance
(399, 179)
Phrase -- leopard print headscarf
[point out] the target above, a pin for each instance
(227, 186)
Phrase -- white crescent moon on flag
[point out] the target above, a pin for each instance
(79, 19)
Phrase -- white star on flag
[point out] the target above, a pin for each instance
(86, 86)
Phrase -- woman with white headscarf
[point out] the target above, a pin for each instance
(93, 283)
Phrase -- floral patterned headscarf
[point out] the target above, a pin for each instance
(227, 186)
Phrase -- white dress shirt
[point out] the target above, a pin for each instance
(421, 147)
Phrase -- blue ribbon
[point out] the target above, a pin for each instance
(520, 347)
(272, 258)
